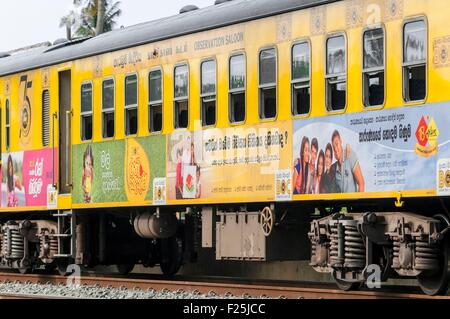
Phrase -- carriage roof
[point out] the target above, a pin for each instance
(215, 16)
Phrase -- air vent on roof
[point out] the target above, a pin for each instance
(188, 8)
(4, 55)
(221, 1)
(60, 41)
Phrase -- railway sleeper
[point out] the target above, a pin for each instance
(401, 244)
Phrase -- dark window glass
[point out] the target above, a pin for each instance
(269, 100)
(86, 98)
(336, 55)
(108, 105)
(86, 127)
(181, 99)
(181, 81)
(208, 93)
(86, 112)
(267, 84)
(237, 72)
(237, 85)
(131, 105)
(415, 61)
(131, 121)
(155, 86)
(181, 114)
(374, 49)
(301, 95)
(131, 90)
(108, 125)
(374, 89)
(336, 79)
(108, 95)
(301, 85)
(267, 67)
(155, 101)
(415, 41)
(155, 118)
(237, 107)
(300, 61)
(209, 77)
(373, 73)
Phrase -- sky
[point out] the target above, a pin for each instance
(27, 22)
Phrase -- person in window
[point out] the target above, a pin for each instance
(349, 177)
(301, 168)
(328, 180)
(13, 183)
(310, 184)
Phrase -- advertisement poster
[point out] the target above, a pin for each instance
(26, 177)
(231, 164)
(376, 151)
(117, 171)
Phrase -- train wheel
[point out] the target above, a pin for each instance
(50, 268)
(438, 283)
(62, 268)
(25, 270)
(172, 256)
(125, 269)
(25, 267)
(345, 285)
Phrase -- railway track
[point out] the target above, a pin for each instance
(205, 287)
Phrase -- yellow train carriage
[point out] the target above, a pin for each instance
(261, 108)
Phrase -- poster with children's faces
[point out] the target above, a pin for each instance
(378, 151)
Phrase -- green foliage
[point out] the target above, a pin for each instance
(83, 20)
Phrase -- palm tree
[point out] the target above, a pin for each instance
(93, 17)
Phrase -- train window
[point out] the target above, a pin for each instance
(373, 68)
(268, 84)
(336, 75)
(301, 79)
(108, 108)
(86, 112)
(155, 101)
(45, 118)
(208, 92)
(237, 88)
(7, 126)
(181, 96)
(131, 104)
(414, 61)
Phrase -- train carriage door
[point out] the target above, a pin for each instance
(65, 132)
